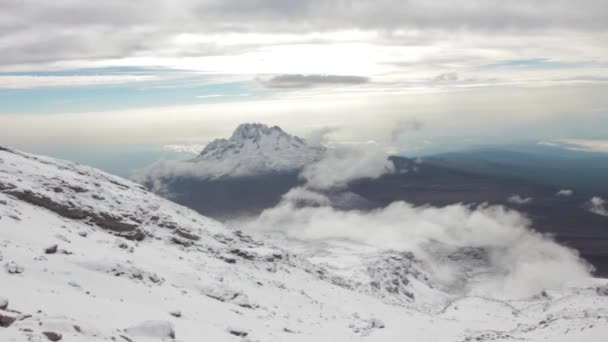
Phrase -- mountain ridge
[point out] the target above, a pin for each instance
(183, 276)
(255, 148)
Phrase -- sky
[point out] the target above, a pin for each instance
(132, 80)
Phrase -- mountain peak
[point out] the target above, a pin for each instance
(254, 131)
(256, 148)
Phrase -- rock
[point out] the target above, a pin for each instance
(6, 321)
(181, 241)
(13, 268)
(186, 234)
(3, 303)
(52, 335)
(237, 332)
(155, 329)
(51, 249)
(602, 290)
(376, 323)
(175, 313)
(83, 234)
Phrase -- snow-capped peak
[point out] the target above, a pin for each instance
(255, 131)
(253, 149)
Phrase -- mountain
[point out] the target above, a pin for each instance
(489, 176)
(88, 256)
(551, 165)
(255, 149)
(240, 176)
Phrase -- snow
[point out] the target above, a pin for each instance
(252, 149)
(122, 267)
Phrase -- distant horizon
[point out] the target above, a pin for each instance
(412, 76)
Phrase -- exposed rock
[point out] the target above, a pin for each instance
(6, 320)
(243, 254)
(13, 268)
(136, 274)
(125, 338)
(175, 313)
(229, 295)
(237, 332)
(53, 335)
(602, 290)
(187, 235)
(51, 249)
(181, 241)
(3, 303)
(69, 210)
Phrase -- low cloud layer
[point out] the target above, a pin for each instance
(308, 81)
(522, 262)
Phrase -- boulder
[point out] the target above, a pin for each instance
(53, 335)
(6, 320)
(51, 249)
(3, 303)
(237, 332)
(14, 268)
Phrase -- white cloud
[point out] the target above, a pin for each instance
(586, 145)
(30, 81)
(522, 262)
(184, 148)
(564, 192)
(517, 199)
(597, 205)
(343, 164)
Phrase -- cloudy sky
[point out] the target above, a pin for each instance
(414, 76)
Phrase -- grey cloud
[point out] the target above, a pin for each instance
(125, 28)
(307, 81)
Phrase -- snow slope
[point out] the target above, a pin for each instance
(253, 149)
(87, 256)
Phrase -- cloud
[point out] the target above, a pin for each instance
(343, 164)
(307, 81)
(33, 81)
(597, 205)
(184, 148)
(517, 199)
(320, 136)
(585, 145)
(564, 192)
(521, 262)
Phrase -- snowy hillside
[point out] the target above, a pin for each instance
(87, 256)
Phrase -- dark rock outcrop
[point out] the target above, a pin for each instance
(53, 336)
(51, 249)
